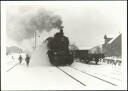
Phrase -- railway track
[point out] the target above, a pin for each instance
(78, 79)
(95, 76)
(12, 67)
(72, 77)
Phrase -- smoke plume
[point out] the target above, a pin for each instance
(23, 24)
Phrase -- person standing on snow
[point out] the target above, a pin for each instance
(27, 59)
(20, 59)
(12, 57)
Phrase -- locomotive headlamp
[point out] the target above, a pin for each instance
(55, 53)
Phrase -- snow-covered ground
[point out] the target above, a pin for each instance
(105, 71)
(22, 77)
(40, 77)
(10, 61)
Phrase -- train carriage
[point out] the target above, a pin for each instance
(86, 57)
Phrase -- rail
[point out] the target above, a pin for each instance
(94, 76)
(12, 67)
(72, 77)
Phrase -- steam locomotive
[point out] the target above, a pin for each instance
(58, 50)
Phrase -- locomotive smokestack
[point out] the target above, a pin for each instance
(61, 30)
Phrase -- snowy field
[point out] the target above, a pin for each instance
(40, 77)
(11, 60)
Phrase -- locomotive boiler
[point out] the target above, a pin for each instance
(58, 49)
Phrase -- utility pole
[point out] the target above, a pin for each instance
(35, 39)
(101, 49)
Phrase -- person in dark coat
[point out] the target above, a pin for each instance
(27, 59)
(12, 57)
(20, 59)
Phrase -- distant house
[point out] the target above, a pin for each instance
(73, 47)
(112, 46)
(95, 50)
(13, 49)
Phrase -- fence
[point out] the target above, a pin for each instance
(112, 61)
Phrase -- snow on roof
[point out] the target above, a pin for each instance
(84, 48)
(113, 58)
(113, 39)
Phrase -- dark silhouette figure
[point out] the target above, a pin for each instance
(20, 59)
(12, 57)
(27, 59)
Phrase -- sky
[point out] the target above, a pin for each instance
(85, 23)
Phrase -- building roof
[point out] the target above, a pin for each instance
(113, 39)
(84, 48)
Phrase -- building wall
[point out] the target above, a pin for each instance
(114, 48)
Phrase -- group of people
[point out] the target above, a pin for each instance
(27, 59)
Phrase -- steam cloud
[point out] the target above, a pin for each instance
(25, 23)
(40, 53)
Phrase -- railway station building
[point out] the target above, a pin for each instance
(112, 46)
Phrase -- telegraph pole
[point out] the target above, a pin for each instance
(35, 39)
(101, 48)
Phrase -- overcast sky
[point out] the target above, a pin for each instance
(84, 23)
